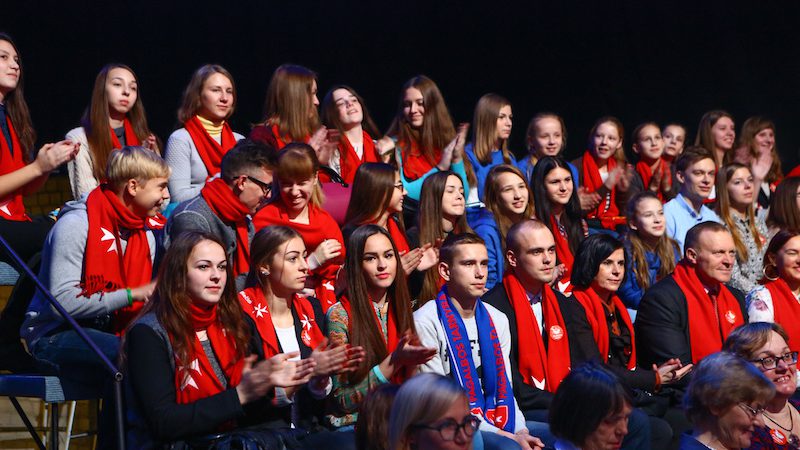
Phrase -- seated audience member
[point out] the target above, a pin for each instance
(674, 140)
(225, 204)
(546, 136)
(590, 410)
(470, 337)
(605, 172)
(508, 201)
(688, 314)
(194, 152)
(784, 210)
(725, 401)
(716, 132)
(778, 299)
(298, 206)
(651, 168)
(441, 212)
(375, 314)
(650, 254)
(695, 171)
(431, 412)
(491, 129)
(757, 150)
(766, 345)
(735, 207)
(372, 427)
(287, 322)
(556, 204)
(98, 264)
(188, 357)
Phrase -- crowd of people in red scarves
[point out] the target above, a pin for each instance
(315, 282)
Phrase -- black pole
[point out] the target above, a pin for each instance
(112, 369)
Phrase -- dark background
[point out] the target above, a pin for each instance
(665, 61)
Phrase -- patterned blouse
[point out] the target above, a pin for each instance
(347, 397)
(747, 273)
(766, 438)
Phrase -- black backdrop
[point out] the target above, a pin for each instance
(663, 61)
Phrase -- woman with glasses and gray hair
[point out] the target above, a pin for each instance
(725, 401)
(766, 346)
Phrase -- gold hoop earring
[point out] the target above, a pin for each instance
(764, 271)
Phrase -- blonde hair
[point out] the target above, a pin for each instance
(137, 163)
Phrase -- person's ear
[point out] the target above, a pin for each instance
(511, 258)
(680, 177)
(691, 255)
(635, 148)
(132, 186)
(444, 271)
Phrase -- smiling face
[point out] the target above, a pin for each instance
(787, 260)
(379, 262)
(764, 141)
(649, 143)
(740, 188)
(206, 276)
(548, 137)
(674, 139)
(121, 91)
(649, 221)
(713, 257)
(148, 197)
(503, 129)
(216, 98)
(610, 273)
(349, 108)
(297, 193)
(513, 193)
(610, 431)
(413, 107)
(288, 269)
(396, 203)
(736, 425)
(453, 205)
(559, 185)
(466, 276)
(697, 180)
(606, 141)
(10, 69)
(252, 188)
(784, 375)
(723, 133)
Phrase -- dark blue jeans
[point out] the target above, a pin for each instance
(76, 361)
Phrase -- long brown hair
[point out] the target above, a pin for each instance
(783, 212)
(363, 329)
(288, 103)
(484, 129)
(170, 302)
(330, 112)
(437, 126)
(298, 161)
(665, 248)
(372, 191)
(191, 102)
(705, 138)
(430, 224)
(263, 249)
(775, 244)
(494, 203)
(747, 138)
(96, 124)
(17, 109)
(723, 209)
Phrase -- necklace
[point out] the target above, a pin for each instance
(791, 420)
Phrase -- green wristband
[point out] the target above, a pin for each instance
(130, 296)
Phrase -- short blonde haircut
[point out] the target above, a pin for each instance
(137, 163)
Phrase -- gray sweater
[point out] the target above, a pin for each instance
(189, 174)
(61, 271)
(195, 215)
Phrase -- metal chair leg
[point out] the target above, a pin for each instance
(27, 423)
(53, 426)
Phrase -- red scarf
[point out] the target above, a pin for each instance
(596, 315)
(541, 368)
(564, 256)
(415, 162)
(607, 210)
(104, 269)
(256, 306)
(391, 340)
(208, 148)
(11, 159)
(232, 211)
(704, 336)
(130, 136)
(321, 226)
(199, 381)
(280, 142)
(787, 310)
(646, 172)
(349, 160)
(399, 238)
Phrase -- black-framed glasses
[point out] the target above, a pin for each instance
(449, 428)
(752, 411)
(771, 362)
(266, 187)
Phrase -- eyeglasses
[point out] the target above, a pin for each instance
(752, 412)
(449, 428)
(266, 187)
(771, 362)
(399, 186)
